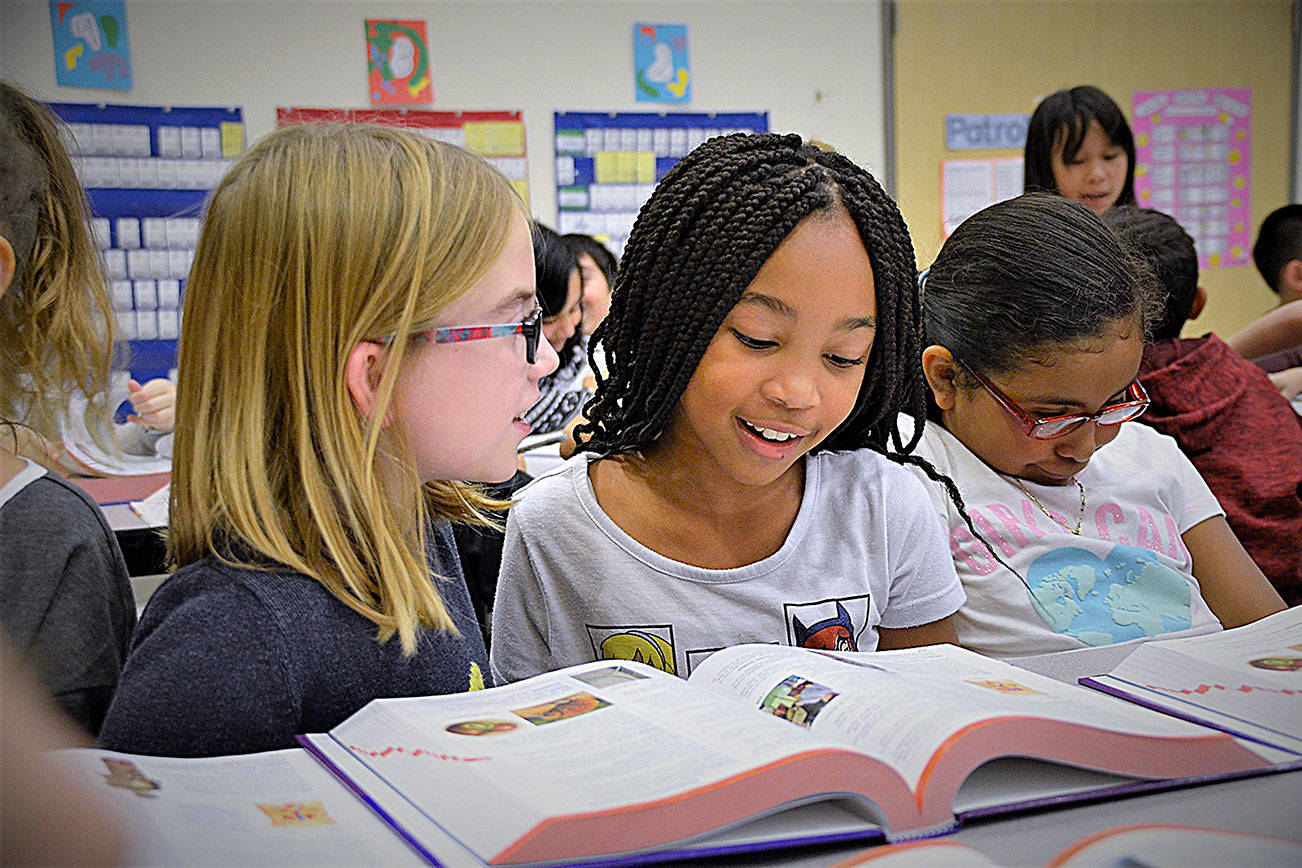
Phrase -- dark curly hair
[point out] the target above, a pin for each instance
(700, 240)
(1172, 256)
(1028, 274)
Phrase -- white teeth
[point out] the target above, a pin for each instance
(771, 435)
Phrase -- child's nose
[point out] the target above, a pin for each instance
(792, 388)
(1081, 444)
(545, 359)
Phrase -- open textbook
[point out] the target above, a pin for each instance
(614, 757)
(1246, 681)
(1143, 845)
(763, 746)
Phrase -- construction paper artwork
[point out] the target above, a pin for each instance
(91, 47)
(397, 63)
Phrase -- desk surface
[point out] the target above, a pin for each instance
(107, 490)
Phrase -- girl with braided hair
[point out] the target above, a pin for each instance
(733, 482)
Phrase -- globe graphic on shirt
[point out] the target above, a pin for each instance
(1128, 595)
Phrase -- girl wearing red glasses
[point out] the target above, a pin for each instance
(1035, 319)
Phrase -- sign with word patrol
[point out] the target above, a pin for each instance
(976, 132)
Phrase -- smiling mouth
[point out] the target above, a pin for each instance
(769, 435)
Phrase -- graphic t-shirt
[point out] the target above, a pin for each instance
(1126, 577)
(865, 552)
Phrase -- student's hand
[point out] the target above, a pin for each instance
(1289, 382)
(154, 404)
(570, 443)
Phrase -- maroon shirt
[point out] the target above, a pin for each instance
(1244, 438)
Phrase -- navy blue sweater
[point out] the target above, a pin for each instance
(228, 660)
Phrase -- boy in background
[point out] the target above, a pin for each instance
(1274, 341)
(1225, 414)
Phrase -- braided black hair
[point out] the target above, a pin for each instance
(700, 240)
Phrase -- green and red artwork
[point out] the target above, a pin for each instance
(397, 63)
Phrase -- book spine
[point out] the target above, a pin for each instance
(345, 779)
(922, 832)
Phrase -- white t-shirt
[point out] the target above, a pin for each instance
(1126, 577)
(865, 551)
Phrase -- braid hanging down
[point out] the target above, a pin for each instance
(700, 240)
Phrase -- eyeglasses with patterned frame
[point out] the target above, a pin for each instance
(1053, 427)
(531, 328)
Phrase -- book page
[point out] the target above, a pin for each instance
(1247, 681)
(591, 738)
(277, 808)
(1272, 647)
(1160, 845)
(904, 705)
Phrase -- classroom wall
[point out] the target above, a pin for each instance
(1296, 190)
(954, 57)
(816, 66)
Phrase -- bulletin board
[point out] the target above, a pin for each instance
(147, 171)
(969, 58)
(1193, 160)
(497, 136)
(607, 163)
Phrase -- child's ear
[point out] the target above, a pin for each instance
(1290, 279)
(1200, 299)
(362, 377)
(939, 367)
(7, 264)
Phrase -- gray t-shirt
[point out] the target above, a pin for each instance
(866, 551)
(65, 599)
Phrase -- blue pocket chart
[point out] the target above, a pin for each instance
(147, 171)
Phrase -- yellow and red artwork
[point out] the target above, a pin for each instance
(297, 814)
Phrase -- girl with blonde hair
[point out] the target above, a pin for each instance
(65, 599)
(360, 330)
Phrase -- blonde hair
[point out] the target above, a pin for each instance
(56, 319)
(318, 239)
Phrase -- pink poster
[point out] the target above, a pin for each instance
(1193, 152)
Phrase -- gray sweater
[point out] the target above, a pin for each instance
(65, 599)
(229, 660)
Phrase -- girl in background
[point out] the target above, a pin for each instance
(64, 595)
(361, 329)
(1079, 145)
(597, 266)
(739, 476)
(560, 294)
(1084, 531)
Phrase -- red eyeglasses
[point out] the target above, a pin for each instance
(531, 328)
(1052, 427)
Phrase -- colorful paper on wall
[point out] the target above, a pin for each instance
(91, 45)
(662, 72)
(1193, 153)
(397, 63)
(497, 136)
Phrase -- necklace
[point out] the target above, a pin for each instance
(1079, 519)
